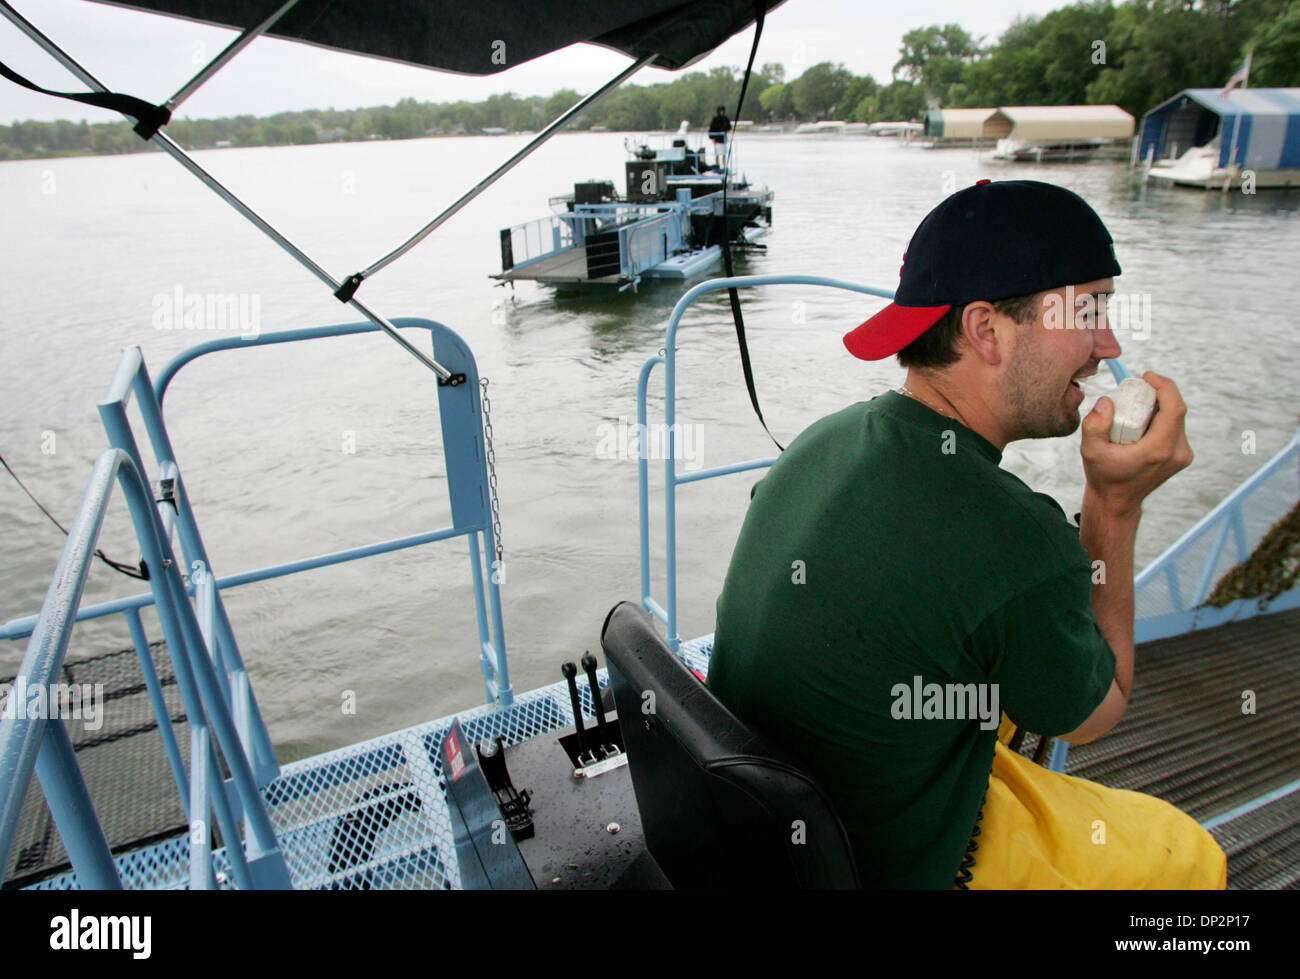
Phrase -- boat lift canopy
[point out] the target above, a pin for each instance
(957, 123)
(1047, 122)
(1257, 128)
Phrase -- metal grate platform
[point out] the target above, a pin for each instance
(372, 815)
(1185, 737)
(1187, 740)
(1263, 846)
(122, 758)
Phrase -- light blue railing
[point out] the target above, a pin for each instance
(667, 612)
(537, 239)
(645, 238)
(1161, 583)
(646, 243)
(132, 381)
(460, 412)
(215, 688)
(1180, 580)
(42, 744)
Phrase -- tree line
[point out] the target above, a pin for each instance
(1135, 54)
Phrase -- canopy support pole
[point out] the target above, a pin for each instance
(354, 281)
(166, 144)
(232, 49)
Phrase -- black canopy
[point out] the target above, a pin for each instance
(482, 37)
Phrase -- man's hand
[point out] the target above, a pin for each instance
(1120, 477)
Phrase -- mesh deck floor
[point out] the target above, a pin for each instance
(122, 759)
(1187, 739)
(373, 815)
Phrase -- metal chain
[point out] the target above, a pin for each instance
(492, 470)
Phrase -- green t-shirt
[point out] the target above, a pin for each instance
(885, 545)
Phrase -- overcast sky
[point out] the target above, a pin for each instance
(151, 56)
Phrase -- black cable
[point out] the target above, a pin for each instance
(732, 294)
(129, 570)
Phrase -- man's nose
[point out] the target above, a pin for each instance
(1106, 346)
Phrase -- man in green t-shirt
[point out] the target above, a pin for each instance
(893, 589)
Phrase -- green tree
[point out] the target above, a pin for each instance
(1163, 46)
(679, 102)
(634, 110)
(860, 93)
(559, 102)
(360, 126)
(821, 89)
(1276, 46)
(777, 101)
(899, 101)
(1043, 61)
(936, 56)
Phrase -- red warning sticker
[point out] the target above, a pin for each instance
(455, 760)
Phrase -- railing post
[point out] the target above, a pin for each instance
(1175, 590)
(202, 877)
(668, 357)
(1212, 561)
(220, 636)
(643, 474)
(154, 688)
(73, 812)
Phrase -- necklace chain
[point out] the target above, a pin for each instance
(904, 389)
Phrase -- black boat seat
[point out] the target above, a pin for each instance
(720, 807)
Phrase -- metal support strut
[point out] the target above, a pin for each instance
(167, 145)
(350, 286)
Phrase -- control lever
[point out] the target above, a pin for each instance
(607, 745)
(587, 755)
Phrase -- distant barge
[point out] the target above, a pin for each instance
(670, 224)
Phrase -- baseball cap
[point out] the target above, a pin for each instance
(992, 241)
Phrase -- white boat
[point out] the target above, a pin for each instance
(827, 127)
(904, 129)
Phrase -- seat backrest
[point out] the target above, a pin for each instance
(720, 807)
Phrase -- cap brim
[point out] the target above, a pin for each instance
(891, 329)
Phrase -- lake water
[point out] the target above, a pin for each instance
(301, 450)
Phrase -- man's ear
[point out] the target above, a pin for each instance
(980, 331)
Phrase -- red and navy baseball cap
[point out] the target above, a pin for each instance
(992, 241)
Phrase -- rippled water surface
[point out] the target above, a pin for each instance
(295, 451)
